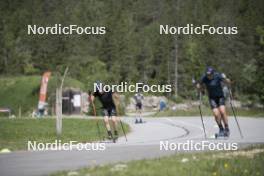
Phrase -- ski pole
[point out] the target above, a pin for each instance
(98, 130)
(200, 109)
(97, 122)
(233, 110)
(123, 129)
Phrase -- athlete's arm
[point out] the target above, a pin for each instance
(225, 79)
(90, 96)
(91, 101)
(116, 98)
(200, 86)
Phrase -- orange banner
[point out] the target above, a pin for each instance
(43, 90)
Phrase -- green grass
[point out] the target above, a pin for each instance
(23, 91)
(242, 163)
(207, 112)
(14, 133)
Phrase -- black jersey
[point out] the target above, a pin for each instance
(213, 85)
(106, 99)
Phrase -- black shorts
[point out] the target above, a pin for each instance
(139, 106)
(109, 112)
(216, 102)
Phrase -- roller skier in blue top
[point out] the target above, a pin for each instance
(213, 82)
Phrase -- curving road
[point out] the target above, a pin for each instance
(143, 142)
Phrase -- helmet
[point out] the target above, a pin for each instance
(209, 70)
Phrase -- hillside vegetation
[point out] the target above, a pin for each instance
(132, 49)
(23, 91)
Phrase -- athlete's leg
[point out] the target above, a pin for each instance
(140, 110)
(140, 113)
(114, 121)
(225, 120)
(115, 124)
(222, 110)
(217, 116)
(137, 114)
(216, 112)
(108, 127)
(107, 124)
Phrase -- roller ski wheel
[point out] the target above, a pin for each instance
(111, 139)
(140, 121)
(227, 133)
(136, 122)
(115, 136)
(115, 139)
(220, 134)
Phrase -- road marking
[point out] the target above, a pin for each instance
(196, 126)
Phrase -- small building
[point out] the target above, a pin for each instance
(74, 101)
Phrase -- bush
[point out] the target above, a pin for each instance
(176, 99)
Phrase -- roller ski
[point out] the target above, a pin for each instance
(224, 133)
(115, 137)
(227, 133)
(112, 137)
(220, 134)
(136, 121)
(139, 121)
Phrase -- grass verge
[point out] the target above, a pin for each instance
(243, 163)
(15, 133)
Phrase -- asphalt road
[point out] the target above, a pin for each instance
(143, 142)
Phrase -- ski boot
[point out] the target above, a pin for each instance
(136, 122)
(227, 132)
(115, 137)
(220, 134)
(140, 120)
(110, 136)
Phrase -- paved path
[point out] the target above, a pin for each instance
(143, 142)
